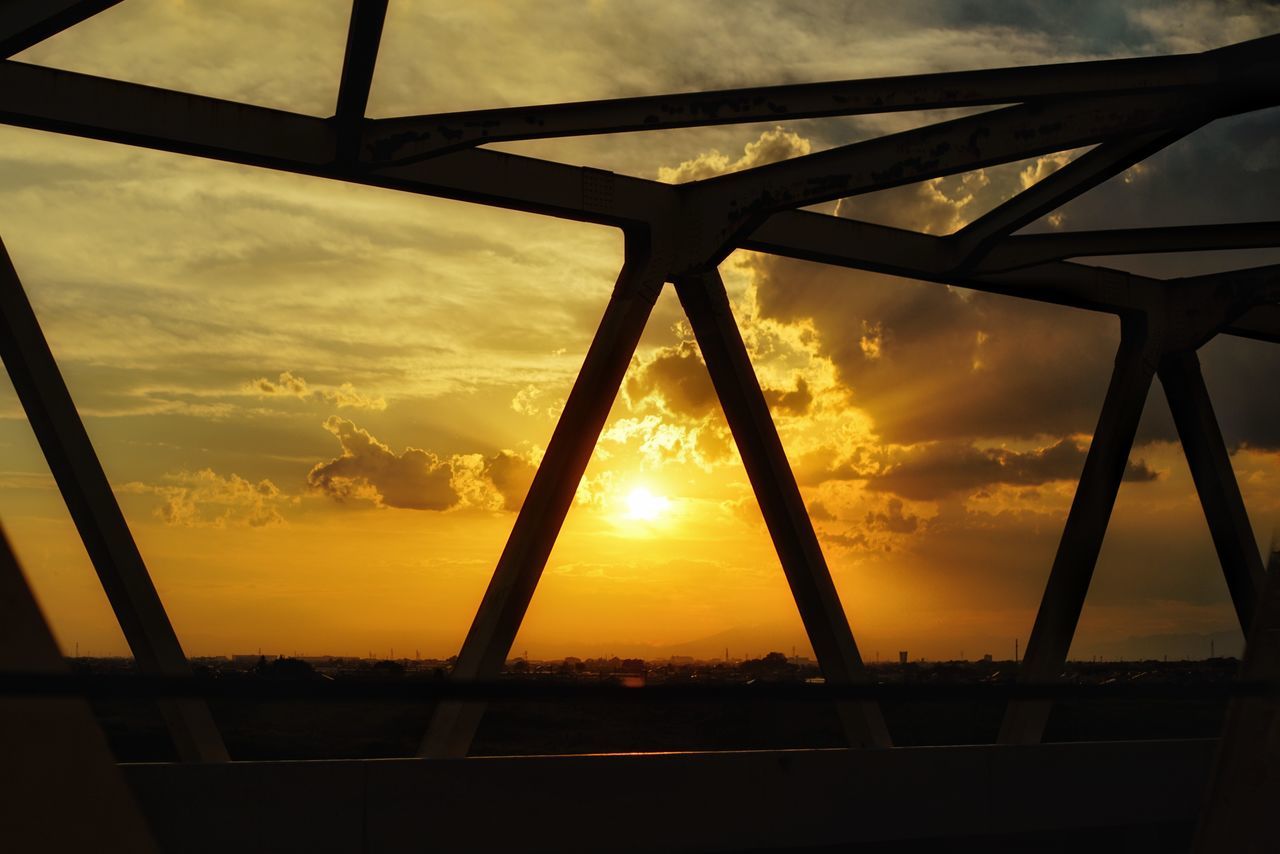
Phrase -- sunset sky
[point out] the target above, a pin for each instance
(320, 404)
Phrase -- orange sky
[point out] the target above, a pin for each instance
(320, 404)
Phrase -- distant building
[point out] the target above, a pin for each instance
(902, 656)
(986, 659)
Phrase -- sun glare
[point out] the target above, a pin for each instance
(645, 506)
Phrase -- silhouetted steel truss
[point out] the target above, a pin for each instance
(1127, 109)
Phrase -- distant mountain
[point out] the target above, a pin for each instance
(1177, 646)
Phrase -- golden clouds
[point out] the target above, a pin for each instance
(369, 470)
(290, 385)
(414, 479)
(938, 469)
(772, 146)
(205, 498)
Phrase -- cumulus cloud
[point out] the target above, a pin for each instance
(935, 470)
(676, 379)
(205, 498)
(289, 384)
(772, 146)
(534, 401)
(415, 479)
(369, 470)
(496, 482)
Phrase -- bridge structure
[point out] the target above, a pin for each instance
(871, 792)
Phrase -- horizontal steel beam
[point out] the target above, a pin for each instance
(732, 801)
(1028, 250)
(132, 114)
(413, 137)
(128, 113)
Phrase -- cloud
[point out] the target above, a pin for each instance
(935, 470)
(772, 146)
(531, 400)
(676, 379)
(496, 482)
(797, 401)
(415, 479)
(205, 498)
(369, 470)
(290, 385)
(931, 363)
(892, 520)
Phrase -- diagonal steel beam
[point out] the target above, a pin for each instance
(1104, 468)
(454, 724)
(867, 246)
(363, 35)
(729, 207)
(24, 23)
(64, 791)
(1079, 176)
(1215, 481)
(1027, 250)
(1261, 323)
(97, 516)
(707, 306)
(897, 252)
(408, 138)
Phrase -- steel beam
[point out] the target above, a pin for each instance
(363, 35)
(941, 798)
(866, 246)
(731, 206)
(1079, 176)
(82, 105)
(550, 496)
(63, 790)
(409, 138)
(97, 516)
(1261, 323)
(24, 23)
(1029, 250)
(1239, 813)
(1086, 525)
(707, 306)
(1215, 481)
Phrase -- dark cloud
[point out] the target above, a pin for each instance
(933, 363)
(819, 512)
(676, 378)
(369, 470)
(934, 471)
(511, 476)
(679, 378)
(891, 519)
(795, 401)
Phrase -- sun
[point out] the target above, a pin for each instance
(645, 506)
